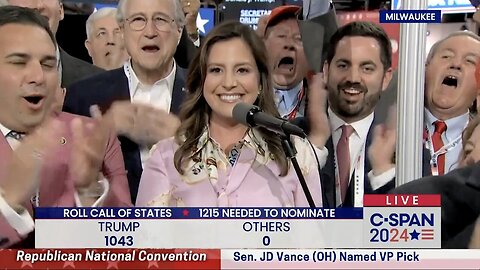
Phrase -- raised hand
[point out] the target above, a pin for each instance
(382, 149)
(190, 9)
(317, 110)
(22, 177)
(142, 123)
(475, 240)
(90, 138)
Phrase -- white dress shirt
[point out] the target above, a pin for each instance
(158, 95)
(357, 147)
(23, 222)
(453, 136)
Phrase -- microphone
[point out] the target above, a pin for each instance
(252, 116)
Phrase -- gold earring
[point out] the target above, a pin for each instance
(260, 88)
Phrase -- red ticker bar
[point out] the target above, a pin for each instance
(110, 259)
(401, 200)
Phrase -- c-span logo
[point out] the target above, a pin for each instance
(402, 220)
(410, 16)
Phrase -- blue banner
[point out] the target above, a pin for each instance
(410, 16)
(205, 20)
(197, 213)
(448, 6)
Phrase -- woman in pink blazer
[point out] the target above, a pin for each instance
(214, 160)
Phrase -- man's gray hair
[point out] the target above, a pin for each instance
(179, 15)
(101, 13)
(437, 44)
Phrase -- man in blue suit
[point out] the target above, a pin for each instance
(142, 94)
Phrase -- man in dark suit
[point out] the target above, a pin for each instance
(151, 80)
(72, 69)
(357, 71)
(460, 202)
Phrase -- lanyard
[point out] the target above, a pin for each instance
(235, 154)
(357, 171)
(128, 74)
(293, 113)
(442, 151)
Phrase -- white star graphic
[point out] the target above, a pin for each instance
(26, 263)
(112, 265)
(152, 264)
(201, 24)
(71, 264)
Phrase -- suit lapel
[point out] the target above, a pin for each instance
(367, 166)
(130, 149)
(120, 87)
(328, 177)
(472, 175)
(178, 92)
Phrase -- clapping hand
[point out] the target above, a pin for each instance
(90, 138)
(382, 149)
(22, 177)
(142, 123)
(317, 110)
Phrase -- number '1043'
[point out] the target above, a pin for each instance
(124, 241)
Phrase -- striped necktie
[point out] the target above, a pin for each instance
(16, 135)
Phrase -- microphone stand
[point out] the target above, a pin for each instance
(291, 152)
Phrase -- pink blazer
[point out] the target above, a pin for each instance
(57, 188)
(249, 184)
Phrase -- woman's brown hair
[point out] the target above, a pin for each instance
(195, 109)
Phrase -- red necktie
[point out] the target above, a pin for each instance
(343, 159)
(437, 142)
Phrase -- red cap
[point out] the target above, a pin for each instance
(281, 11)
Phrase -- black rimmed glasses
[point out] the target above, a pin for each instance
(139, 22)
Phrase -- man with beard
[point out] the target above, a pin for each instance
(357, 70)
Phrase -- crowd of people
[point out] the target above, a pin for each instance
(150, 122)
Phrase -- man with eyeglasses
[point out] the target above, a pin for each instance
(141, 94)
